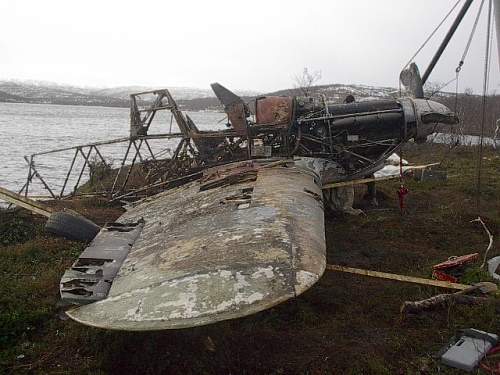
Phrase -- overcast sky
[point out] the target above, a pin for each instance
(257, 45)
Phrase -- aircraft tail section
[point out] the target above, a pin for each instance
(237, 111)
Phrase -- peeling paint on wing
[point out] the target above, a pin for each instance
(239, 299)
(186, 304)
(304, 280)
(267, 272)
(197, 261)
(233, 238)
(240, 282)
(135, 314)
(225, 274)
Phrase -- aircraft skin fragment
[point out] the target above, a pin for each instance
(221, 253)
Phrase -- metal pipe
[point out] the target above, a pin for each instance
(138, 150)
(349, 115)
(69, 172)
(497, 24)
(30, 175)
(86, 157)
(100, 156)
(35, 173)
(112, 141)
(129, 171)
(149, 148)
(446, 40)
(124, 160)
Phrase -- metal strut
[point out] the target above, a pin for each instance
(446, 40)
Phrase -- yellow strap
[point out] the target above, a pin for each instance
(393, 276)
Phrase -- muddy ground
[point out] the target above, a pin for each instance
(345, 324)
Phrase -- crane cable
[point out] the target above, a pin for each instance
(484, 104)
(462, 59)
(432, 34)
(466, 51)
(458, 69)
(427, 40)
(464, 55)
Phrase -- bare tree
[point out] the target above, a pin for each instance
(432, 88)
(305, 81)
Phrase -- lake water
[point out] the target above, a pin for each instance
(31, 128)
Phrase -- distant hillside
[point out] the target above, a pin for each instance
(5, 97)
(52, 93)
(333, 92)
(188, 98)
(22, 92)
(337, 92)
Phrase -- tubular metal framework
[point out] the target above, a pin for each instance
(138, 148)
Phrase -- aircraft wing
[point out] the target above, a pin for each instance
(246, 237)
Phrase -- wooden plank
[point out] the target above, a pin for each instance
(396, 277)
(19, 200)
(374, 179)
(358, 182)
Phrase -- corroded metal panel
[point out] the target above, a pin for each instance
(220, 253)
(274, 110)
(237, 117)
(89, 278)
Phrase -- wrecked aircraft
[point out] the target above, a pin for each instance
(245, 231)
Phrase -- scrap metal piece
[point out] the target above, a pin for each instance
(218, 253)
(261, 151)
(90, 277)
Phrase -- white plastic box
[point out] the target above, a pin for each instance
(469, 350)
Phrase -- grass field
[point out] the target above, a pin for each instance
(345, 324)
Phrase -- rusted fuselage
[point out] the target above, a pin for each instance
(356, 136)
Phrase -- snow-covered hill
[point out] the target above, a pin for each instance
(50, 93)
(53, 93)
(187, 97)
(337, 92)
